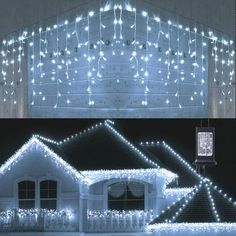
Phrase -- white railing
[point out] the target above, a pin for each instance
(37, 220)
(118, 221)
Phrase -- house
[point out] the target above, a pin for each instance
(96, 181)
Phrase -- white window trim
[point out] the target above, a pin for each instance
(16, 189)
(49, 177)
(37, 189)
(113, 181)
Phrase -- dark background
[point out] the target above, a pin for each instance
(180, 134)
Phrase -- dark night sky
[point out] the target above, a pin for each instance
(180, 134)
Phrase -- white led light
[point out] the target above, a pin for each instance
(78, 19)
(97, 54)
(12, 161)
(91, 13)
(157, 19)
(144, 13)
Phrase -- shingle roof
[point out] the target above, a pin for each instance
(173, 164)
(101, 149)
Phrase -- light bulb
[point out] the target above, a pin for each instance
(78, 19)
(91, 13)
(157, 19)
(144, 13)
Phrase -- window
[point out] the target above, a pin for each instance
(48, 195)
(26, 194)
(126, 196)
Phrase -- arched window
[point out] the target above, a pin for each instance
(48, 195)
(126, 196)
(26, 194)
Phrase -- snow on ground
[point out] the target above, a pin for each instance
(75, 234)
(183, 229)
(194, 229)
(159, 233)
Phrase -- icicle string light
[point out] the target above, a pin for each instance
(146, 59)
(147, 175)
(36, 220)
(175, 154)
(212, 203)
(178, 67)
(48, 153)
(119, 221)
(147, 143)
(186, 200)
(176, 195)
(135, 149)
(76, 135)
(41, 52)
(57, 72)
(90, 177)
(33, 212)
(207, 35)
(106, 124)
(201, 178)
(72, 137)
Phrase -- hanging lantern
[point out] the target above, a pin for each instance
(205, 148)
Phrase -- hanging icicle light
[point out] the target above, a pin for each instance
(161, 72)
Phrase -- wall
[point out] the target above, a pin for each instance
(13, 16)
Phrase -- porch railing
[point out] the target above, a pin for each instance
(118, 221)
(37, 220)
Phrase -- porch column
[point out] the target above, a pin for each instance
(83, 208)
(159, 201)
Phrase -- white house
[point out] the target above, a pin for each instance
(124, 189)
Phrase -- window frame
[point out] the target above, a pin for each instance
(48, 199)
(37, 189)
(110, 182)
(26, 199)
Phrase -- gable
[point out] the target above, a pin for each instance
(36, 160)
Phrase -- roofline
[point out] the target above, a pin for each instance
(109, 125)
(182, 159)
(19, 154)
(72, 170)
(69, 138)
(15, 156)
(127, 173)
(174, 153)
(131, 146)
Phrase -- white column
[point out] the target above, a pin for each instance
(82, 217)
